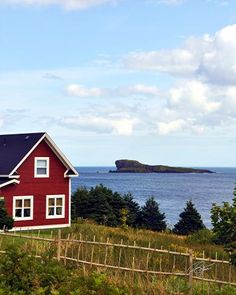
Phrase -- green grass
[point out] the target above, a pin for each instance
(136, 283)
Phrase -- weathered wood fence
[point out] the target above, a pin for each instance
(130, 258)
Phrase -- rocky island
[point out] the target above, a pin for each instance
(131, 166)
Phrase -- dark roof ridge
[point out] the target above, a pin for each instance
(26, 133)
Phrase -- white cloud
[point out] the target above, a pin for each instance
(113, 119)
(81, 91)
(209, 58)
(193, 96)
(67, 4)
(165, 128)
(122, 91)
(99, 124)
(176, 62)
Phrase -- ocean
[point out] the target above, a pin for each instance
(170, 190)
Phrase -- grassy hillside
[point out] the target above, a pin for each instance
(133, 283)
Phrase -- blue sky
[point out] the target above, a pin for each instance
(152, 80)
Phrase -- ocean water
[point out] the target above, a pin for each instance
(170, 190)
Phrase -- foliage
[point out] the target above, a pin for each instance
(151, 217)
(6, 221)
(22, 274)
(190, 221)
(231, 248)
(104, 206)
(224, 221)
(123, 219)
(203, 236)
(134, 211)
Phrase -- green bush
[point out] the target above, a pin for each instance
(6, 221)
(204, 236)
(224, 221)
(23, 274)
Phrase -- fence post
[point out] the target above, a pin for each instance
(59, 245)
(190, 278)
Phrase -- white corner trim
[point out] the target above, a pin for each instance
(12, 181)
(63, 206)
(36, 175)
(31, 217)
(69, 201)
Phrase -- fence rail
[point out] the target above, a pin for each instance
(132, 258)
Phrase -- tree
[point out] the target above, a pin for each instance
(79, 202)
(6, 221)
(224, 221)
(100, 204)
(190, 221)
(151, 217)
(134, 212)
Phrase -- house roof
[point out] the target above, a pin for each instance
(15, 148)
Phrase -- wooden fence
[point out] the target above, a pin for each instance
(130, 258)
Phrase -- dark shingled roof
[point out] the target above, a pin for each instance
(13, 148)
(4, 179)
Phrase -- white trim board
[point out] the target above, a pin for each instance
(12, 181)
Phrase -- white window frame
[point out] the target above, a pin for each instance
(31, 217)
(36, 175)
(63, 206)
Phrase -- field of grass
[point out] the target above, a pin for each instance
(134, 283)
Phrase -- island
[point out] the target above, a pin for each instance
(132, 166)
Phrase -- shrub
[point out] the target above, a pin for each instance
(6, 221)
(23, 274)
(203, 236)
(224, 221)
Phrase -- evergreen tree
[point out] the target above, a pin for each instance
(6, 221)
(79, 203)
(134, 212)
(99, 204)
(151, 217)
(190, 221)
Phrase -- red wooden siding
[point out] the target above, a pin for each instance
(39, 188)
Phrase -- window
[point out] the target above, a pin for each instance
(55, 206)
(23, 208)
(41, 167)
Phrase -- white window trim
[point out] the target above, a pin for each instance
(35, 167)
(63, 207)
(31, 217)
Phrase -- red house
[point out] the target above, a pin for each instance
(35, 181)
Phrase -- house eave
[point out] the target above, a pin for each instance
(12, 181)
